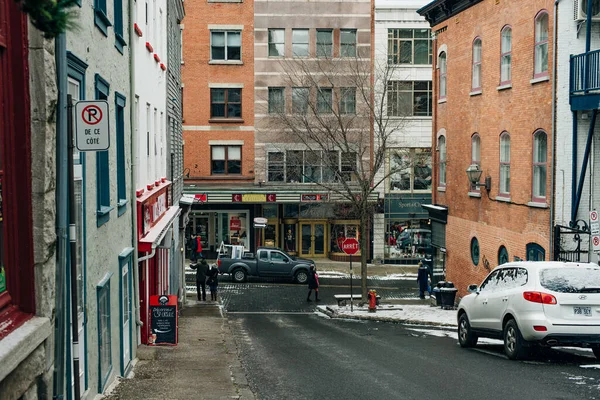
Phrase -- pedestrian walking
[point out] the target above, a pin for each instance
(422, 278)
(313, 283)
(202, 269)
(213, 281)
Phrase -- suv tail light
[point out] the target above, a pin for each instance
(539, 297)
(219, 262)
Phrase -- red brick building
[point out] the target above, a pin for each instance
(493, 114)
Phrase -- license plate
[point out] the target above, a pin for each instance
(584, 311)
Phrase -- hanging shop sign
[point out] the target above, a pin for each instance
(314, 197)
(163, 320)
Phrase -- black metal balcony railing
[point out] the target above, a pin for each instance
(585, 73)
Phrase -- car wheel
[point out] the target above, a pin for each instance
(596, 351)
(239, 275)
(301, 277)
(515, 347)
(466, 337)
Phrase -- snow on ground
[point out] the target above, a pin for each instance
(405, 313)
(338, 274)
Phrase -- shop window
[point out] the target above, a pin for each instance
(324, 43)
(475, 251)
(276, 42)
(410, 169)
(407, 240)
(409, 98)
(506, 56)
(225, 45)
(541, 45)
(540, 151)
(289, 237)
(226, 160)
(347, 42)
(502, 255)
(290, 210)
(410, 46)
(535, 252)
(226, 103)
(104, 331)
(300, 40)
(270, 211)
(102, 165)
(341, 230)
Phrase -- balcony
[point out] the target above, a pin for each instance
(584, 86)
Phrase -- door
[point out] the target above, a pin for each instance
(280, 264)
(313, 239)
(479, 311)
(125, 317)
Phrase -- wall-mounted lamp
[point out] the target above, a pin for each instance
(474, 174)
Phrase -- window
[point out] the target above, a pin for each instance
(276, 100)
(349, 166)
(226, 160)
(300, 42)
(504, 164)
(300, 100)
(226, 45)
(348, 100)
(476, 79)
(275, 169)
(324, 43)
(540, 151)
(226, 103)
(505, 56)
(502, 255)
(310, 166)
(535, 252)
(324, 100)
(475, 156)
(103, 206)
(442, 150)
(101, 16)
(442, 67)
(409, 98)
(276, 42)
(348, 42)
(410, 46)
(541, 45)
(121, 168)
(410, 169)
(119, 39)
(475, 251)
(104, 331)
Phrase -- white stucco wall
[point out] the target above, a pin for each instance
(151, 91)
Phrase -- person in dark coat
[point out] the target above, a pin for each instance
(313, 283)
(422, 278)
(201, 273)
(213, 281)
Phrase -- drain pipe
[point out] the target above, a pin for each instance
(553, 135)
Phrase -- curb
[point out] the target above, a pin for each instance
(331, 313)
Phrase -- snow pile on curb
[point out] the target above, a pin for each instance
(404, 313)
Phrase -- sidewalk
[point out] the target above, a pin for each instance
(204, 364)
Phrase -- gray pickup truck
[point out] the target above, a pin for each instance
(268, 262)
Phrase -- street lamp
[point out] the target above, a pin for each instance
(474, 174)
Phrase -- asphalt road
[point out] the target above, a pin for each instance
(289, 352)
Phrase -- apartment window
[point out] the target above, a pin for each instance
(442, 67)
(504, 164)
(540, 151)
(505, 56)
(324, 100)
(410, 169)
(324, 43)
(502, 255)
(541, 44)
(104, 331)
(103, 206)
(226, 45)
(300, 100)
(476, 79)
(535, 252)
(410, 46)
(226, 103)
(276, 42)
(348, 42)
(310, 166)
(275, 167)
(442, 151)
(276, 100)
(120, 102)
(300, 42)
(409, 98)
(475, 156)
(348, 100)
(226, 160)
(101, 16)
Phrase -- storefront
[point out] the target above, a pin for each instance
(407, 228)
(155, 235)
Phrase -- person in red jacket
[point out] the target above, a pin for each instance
(196, 248)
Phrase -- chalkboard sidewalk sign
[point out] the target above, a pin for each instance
(163, 320)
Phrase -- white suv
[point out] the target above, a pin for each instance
(534, 303)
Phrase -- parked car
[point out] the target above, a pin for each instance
(534, 303)
(269, 262)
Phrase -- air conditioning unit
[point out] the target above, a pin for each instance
(580, 10)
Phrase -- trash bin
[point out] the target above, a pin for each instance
(438, 296)
(448, 295)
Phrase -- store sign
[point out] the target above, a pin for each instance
(235, 224)
(314, 197)
(200, 198)
(153, 209)
(159, 207)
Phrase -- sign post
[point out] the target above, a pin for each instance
(595, 231)
(350, 246)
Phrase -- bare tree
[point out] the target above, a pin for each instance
(336, 132)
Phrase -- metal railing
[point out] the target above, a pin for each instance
(585, 73)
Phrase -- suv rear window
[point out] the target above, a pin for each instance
(571, 280)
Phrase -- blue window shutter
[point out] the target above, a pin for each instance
(119, 39)
(120, 102)
(101, 16)
(102, 164)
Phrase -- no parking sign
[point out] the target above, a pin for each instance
(595, 231)
(92, 125)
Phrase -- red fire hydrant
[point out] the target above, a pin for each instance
(372, 300)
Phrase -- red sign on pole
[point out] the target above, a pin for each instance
(350, 246)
